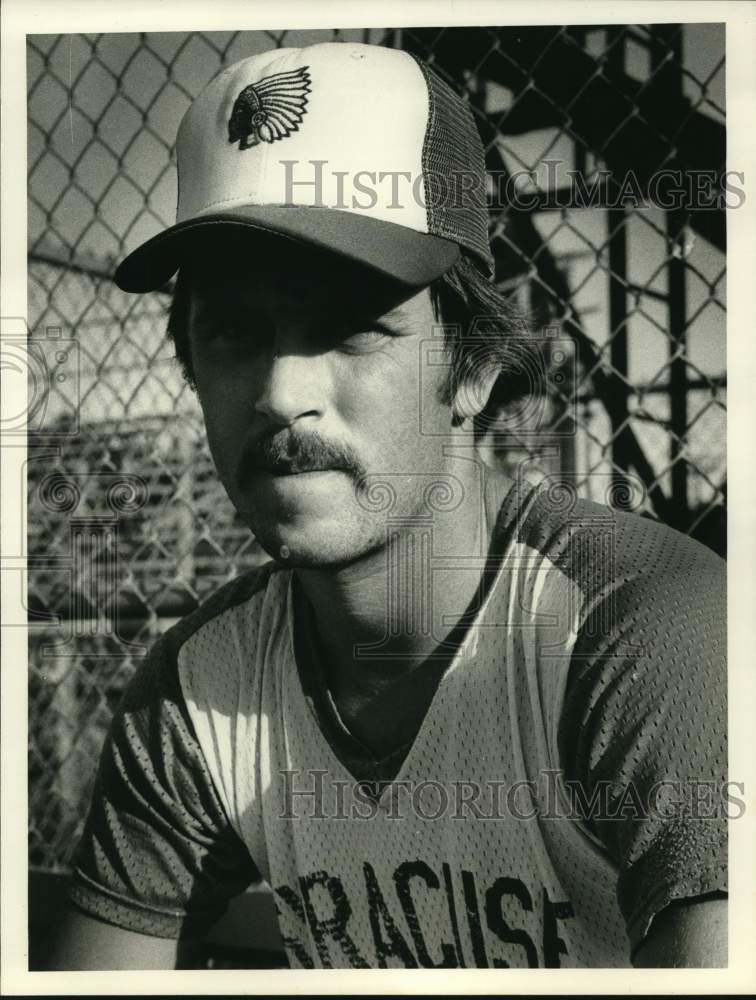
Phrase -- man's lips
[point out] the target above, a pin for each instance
(294, 470)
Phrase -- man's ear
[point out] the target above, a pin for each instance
(473, 394)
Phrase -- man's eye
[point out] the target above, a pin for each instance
(229, 330)
(362, 340)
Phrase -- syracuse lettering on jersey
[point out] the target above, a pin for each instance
(476, 916)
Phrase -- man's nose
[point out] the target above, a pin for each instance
(292, 384)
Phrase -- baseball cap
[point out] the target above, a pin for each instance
(359, 149)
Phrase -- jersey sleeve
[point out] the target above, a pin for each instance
(158, 855)
(644, 722)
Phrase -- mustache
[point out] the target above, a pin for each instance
(291, 452)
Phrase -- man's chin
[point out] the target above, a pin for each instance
(323, 550)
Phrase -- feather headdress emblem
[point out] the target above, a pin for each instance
(270, 109)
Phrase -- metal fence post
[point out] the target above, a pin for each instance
(671, 72)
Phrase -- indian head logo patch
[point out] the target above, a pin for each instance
(270, 109)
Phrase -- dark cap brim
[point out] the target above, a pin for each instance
(413, 258)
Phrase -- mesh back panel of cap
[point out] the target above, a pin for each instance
(452, 148)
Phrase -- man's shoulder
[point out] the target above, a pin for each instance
(238, 600)
(242, 595)
(596, 546)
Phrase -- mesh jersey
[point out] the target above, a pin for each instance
(596, 664)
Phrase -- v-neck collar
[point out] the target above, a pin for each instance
(353, 754)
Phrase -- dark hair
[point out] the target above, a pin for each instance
(485, 332)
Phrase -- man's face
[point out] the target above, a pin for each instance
(310, 377)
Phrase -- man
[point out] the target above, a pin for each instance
(455, 720)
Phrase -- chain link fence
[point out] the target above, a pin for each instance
(128, 526)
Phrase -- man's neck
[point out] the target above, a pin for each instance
(378, 622)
